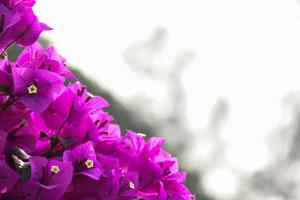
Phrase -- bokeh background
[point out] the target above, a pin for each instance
(220, 80)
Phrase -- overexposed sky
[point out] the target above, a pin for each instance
(247, 51)
(253, 43)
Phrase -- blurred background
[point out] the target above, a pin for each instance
(220, 80)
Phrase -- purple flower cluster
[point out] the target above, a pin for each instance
(18, 24)
(56, 140)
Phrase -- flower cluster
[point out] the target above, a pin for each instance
(57, 141)
(18, 24)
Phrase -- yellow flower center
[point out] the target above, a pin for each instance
(55, 169)
(131, 185)
(91, 95)
(32, 89)
(142, 134)
(89, 163)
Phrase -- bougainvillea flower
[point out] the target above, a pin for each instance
(75, 129)
(18, 4)
(174, 187)
(128, 188)
(68, 119)
(52, 176)
(133, 143)
(12, 119)
(36, 88)
(17, 125)
(107, 187)
(20, 130)
(49, 180)
(94, 106)
(34, 56)
(149, 173)
(57, 112)
(8, 177)
(84, 160)
(18, 24)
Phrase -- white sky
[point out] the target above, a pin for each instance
(246, 51)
